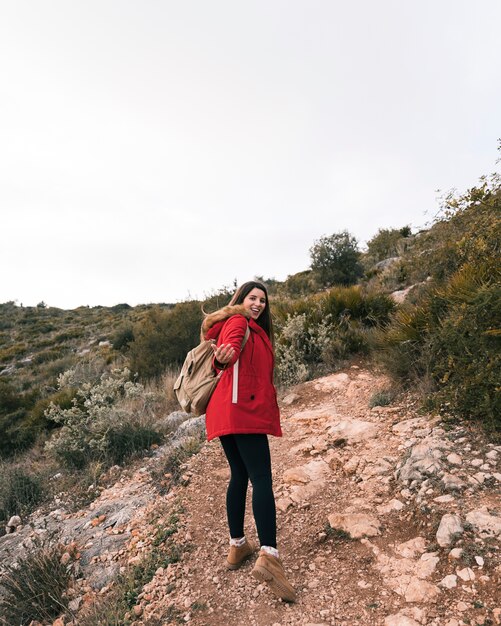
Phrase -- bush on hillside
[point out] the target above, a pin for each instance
(336, 259)
(99, 426)
(452, 339)
(318, 332)
(386, 243)
(20, 491)
(122, 338)
(35, 586)
(164, 338)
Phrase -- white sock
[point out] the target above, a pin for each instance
(270, 550)
(238, 543)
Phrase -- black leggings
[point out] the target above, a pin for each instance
(249, 457)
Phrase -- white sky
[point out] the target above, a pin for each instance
(156, 150)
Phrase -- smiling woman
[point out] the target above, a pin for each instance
(242, 412)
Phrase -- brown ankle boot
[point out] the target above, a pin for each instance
(269, 569)
(236, 556)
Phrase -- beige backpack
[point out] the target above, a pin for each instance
(198, 379)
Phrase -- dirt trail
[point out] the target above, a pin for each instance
(359, 469)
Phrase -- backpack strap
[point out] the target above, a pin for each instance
(246, 336)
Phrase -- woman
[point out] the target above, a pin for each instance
(242, 411)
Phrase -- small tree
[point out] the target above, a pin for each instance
(335, 259)
(387, 242)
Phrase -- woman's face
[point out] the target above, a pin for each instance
(255, 302)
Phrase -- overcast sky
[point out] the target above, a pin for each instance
(152, 151)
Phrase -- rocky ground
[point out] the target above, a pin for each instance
(385, 517)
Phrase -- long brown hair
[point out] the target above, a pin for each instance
(264, 320)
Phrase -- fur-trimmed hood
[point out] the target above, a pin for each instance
(220, 316)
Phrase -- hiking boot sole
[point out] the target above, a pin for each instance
(265, 576)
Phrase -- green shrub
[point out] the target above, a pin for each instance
(453, 339)
(20, 491)
(98, 421)
(122, 338)
(386, 243)
(383, 397)
(164, 338)
(335, 259)
(46, 356)
(35, 586)
(125, 440)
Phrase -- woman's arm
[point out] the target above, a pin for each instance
(229, 343)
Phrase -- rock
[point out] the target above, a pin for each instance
(454, 459)
(452, 483)
(449, 582)
(302, 493)
(353, 430)
(357, 525)
(496, 614)
(399, 619)
(427, 564)
(195, 426)
(456, 554)
(466, 574)
(420, 591)
(290, 398)
(392, 505)
(409, 549)
(480, 477)
(400, 295)
(74, 604)
(484, 521)
(350, 467)
(14, 522)
(443, 499)
(283, 504)
(477, 462)
(479, 561)
(450, 525)
(406, 427)
(295, 475)
(377, 468)
(137, 610)
(172, 421)
(332, 382)
(493, 455)
(424, 460)
(317, 469)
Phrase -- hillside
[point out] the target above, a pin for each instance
(386, 516)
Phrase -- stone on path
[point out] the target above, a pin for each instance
(409, 549)
(420, 591)
(452, 483)
(484, 521)
(357, 525)
(392, 505)
(449, 582)
(400, 620)
(353, 430)
(450, 525)
(290, 398)
(332, 382)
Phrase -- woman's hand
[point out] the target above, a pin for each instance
(223, 353)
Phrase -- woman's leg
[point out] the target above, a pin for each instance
(237, 487)
(255, 454)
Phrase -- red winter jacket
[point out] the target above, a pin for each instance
(245, 400)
